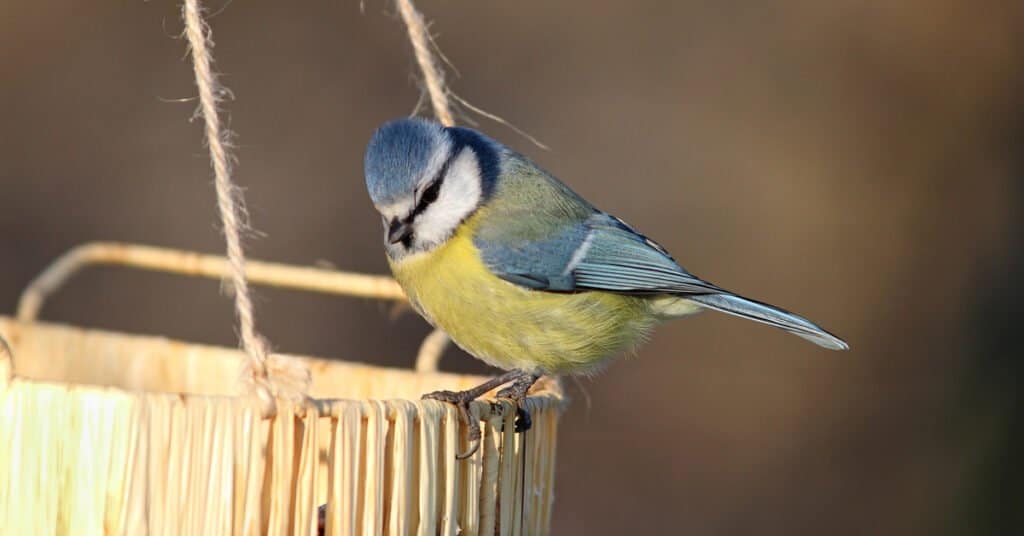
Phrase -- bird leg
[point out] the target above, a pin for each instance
(516, 393)
(461, 400)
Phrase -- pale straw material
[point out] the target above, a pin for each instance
(196, 264)
(6, 362)
(106, 433)
(119, 434)
(431, 349)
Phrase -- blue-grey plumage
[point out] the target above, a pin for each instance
(530, 230)
(402, 151)
(521, 271)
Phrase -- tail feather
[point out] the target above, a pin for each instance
(771, 315)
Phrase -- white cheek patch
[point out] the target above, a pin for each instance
(459, 197)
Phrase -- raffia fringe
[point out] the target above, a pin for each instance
(96, 438)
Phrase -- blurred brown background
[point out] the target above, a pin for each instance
(859, 162)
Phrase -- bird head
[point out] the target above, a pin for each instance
(426, 179)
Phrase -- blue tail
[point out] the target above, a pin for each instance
(771, 315)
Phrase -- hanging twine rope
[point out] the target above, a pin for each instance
(433, 80)
(231, 205)
(232, 208)
(433, 76)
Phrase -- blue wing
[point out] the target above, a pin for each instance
(539, 234)
(600, 252)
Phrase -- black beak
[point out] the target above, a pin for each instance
(398, 231)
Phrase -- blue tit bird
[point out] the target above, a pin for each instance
(519, 270)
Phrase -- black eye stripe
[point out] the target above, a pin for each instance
(431, 193)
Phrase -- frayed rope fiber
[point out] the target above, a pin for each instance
(294, 380)
(294, 383)
(433, 76)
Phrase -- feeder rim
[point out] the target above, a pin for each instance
(195, 264)
(547, 394)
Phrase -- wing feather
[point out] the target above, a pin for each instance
(597, 253)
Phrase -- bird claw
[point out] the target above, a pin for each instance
(516, 392)
(510, 393)
(523, 420)
(461, 400)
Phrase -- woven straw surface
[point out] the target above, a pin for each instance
(107, 433)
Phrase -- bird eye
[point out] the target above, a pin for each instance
(430, 194)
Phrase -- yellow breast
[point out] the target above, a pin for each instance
(510, 326)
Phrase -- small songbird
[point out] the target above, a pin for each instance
(519, 270)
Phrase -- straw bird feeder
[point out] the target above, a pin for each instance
(112, 433)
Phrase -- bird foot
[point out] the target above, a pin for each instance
(461, 401)
(516, 392)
